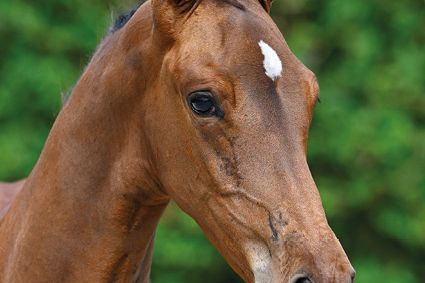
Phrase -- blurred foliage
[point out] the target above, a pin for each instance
(367, 142)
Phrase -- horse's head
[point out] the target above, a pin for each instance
(226, 113)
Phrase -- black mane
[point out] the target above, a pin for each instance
(123, 19)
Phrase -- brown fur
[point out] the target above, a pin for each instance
(8, 192)
(127, 142)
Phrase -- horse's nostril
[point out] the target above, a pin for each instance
(300, 279)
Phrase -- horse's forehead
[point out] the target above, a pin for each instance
(250, 51)
(241, 35)
(243, 50)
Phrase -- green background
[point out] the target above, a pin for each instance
(367, 143)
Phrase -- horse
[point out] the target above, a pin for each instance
(196, 101)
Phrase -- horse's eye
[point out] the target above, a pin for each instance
(203, 104)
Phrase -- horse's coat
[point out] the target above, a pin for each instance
(272, 63)
(175, 105)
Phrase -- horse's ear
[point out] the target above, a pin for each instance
(266, 4)
(170, 14)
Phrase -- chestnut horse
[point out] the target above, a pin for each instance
(200, 102)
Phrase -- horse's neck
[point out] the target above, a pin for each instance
(89, 210)
(8, 192)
